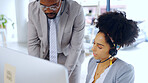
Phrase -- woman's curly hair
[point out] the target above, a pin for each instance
(115, 25)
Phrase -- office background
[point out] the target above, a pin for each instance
(16, 11)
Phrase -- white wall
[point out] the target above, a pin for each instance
(21, 16)
(7, 7)
(31, 0)
(17, 11)
(137, 9)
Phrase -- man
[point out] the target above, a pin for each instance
(56, 30)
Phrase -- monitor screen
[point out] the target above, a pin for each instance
(16, 67)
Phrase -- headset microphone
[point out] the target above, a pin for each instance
(103, 61)
(112, 52)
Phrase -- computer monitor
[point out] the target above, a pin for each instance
(17, 67)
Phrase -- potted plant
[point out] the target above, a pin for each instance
(3, 21)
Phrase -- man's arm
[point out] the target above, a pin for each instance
(33, 40)
(76, 42)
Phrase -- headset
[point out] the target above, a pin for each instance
(113, 51)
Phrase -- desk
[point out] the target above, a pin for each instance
(3, 34)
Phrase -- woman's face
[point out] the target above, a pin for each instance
(101, 47)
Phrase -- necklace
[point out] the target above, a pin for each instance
(101, 68)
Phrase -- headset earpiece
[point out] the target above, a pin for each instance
(112, 52)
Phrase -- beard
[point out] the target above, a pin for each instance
(51, 15)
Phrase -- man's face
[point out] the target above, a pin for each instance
(50, 7)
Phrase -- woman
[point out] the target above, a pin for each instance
(115, 31)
